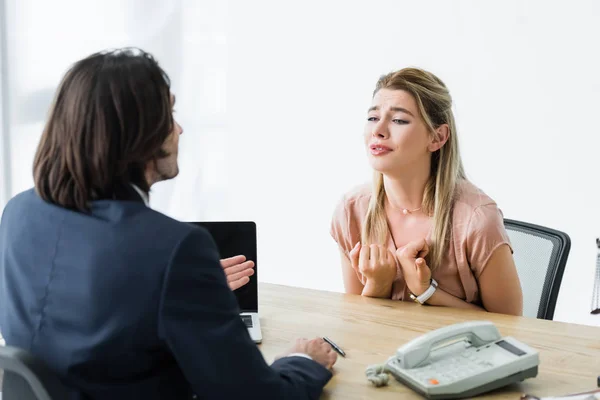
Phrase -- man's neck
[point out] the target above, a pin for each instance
(142, 194)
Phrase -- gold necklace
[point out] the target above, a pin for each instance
(405, 211)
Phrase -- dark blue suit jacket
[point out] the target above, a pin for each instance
(127, 303)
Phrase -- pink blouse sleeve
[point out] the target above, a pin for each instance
(485, 234)
(344, 229)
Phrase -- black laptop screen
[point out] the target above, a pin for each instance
(232, 239)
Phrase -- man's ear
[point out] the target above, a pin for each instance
(439, 138)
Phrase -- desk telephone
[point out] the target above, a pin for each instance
(457, 361)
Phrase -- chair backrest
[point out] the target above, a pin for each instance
(27, 378)
(540, 256)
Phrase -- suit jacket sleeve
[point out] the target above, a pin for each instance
(199, 320)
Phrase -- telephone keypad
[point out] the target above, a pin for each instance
(451, 369)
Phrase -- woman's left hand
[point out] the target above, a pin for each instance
(417, 274)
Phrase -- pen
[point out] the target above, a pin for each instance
(335, 346)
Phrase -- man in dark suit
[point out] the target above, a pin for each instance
(119, 300)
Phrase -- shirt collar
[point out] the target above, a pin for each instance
(142, 194)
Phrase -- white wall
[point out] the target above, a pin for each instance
(525, 80)
(299, 76)
(188, 38)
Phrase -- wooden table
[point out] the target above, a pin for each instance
(370, 330)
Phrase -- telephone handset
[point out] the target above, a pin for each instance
(460, 360)
(477, 333)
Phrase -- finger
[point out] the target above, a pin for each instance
(228, 262)
(240, 275)
(234, 285)
(422, 265)
(364, 256)
(332, 359)
(354, 254)
(239, 267)
(390, 259)
(413, 248)
(374, 256)
(355, 249)
(424, 249)
(383, 254)
(423, 271)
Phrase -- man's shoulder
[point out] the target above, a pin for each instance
(173, 227)
(151, 225)
(26, 196)
(21, 203)
(131, 219)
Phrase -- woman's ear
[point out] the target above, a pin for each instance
(439, 139)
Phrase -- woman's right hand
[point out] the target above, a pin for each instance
(375, 262)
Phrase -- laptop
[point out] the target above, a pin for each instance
(239, 238)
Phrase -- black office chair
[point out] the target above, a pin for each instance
(27, 378)
(540, 255)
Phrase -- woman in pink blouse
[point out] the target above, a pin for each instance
(422, 231)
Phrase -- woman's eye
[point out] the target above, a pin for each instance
(372, 119)
(400, 121)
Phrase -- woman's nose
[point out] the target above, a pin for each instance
(379, 131)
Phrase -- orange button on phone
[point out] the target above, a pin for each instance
(434, 381)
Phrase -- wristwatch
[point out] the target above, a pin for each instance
(426, 295)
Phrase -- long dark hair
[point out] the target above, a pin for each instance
(111, 116)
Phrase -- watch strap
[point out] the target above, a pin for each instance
(426, 295)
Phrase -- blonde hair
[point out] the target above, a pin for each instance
(435, 108)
